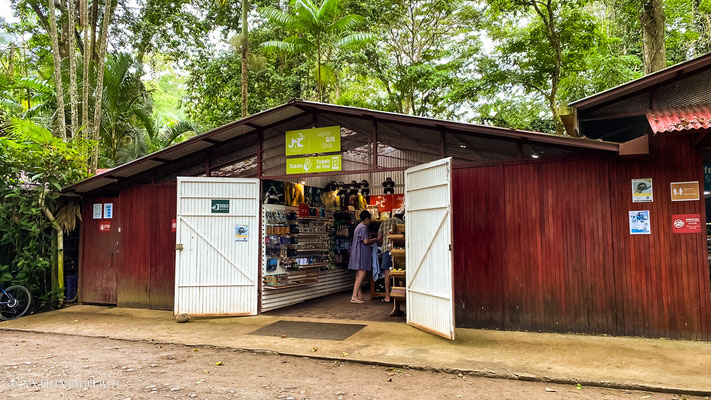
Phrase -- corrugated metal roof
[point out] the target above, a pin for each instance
(298, 108)
(681, 119)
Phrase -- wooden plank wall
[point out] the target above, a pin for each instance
(546, 247)
(162, 265)
(99, 254)
(136, 266)
(146, 277)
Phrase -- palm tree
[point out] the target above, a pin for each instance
(124, 102)
(314, 30)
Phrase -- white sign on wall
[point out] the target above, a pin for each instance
(97, 210)
(108, 210)
(642, 190)
(639, 222)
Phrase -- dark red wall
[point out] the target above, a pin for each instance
(546, 246)
(147, 273)
(142, 273)
(99, 257)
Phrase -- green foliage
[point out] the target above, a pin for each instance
(125, 107)
(317, 32)
(31, 159)
(214, 93)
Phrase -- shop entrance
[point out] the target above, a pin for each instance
(307, 235)
(305, 228)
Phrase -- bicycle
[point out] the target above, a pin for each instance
(14, 302)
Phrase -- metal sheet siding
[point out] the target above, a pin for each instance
(214, 274)
(329, 282)
(428, 235)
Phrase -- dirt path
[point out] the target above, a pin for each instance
(53, 366)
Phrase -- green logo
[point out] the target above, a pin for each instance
(305, 165)
(315, 140)
(220, 207)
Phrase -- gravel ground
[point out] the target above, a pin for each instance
(50, 366)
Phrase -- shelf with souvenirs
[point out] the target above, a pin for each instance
(296, 244)
(311, 229)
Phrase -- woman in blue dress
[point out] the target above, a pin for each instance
(361, 259)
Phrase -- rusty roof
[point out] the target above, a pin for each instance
(680, 119)
(645, 82)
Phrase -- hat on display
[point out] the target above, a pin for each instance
(389, 186)
(365, 188)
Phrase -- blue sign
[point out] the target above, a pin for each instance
(108, 210)
(639, 222)
(707, 177)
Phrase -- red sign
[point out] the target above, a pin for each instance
(686, 223)
(105, 226)
(173, 225)
(388, 202)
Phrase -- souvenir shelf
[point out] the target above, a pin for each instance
(295, 248)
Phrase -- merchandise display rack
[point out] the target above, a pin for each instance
(295, 249)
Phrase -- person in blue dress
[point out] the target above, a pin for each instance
(361, 259)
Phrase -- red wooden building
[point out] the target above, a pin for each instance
(541, 233)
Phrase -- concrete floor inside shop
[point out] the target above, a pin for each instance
(338, 306)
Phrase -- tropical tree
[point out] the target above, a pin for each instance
(245, 48)
(159, 135)
(34, 166)
(126, 111)
(424, 58)
(316, 31)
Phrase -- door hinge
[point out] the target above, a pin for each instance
(450, 247)
(179, 246)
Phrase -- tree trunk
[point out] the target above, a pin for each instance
(93, 20)
(60, 244)
(654, 51)
(57, 70)
(245, 44)
(86, 131)
(72, 68)
(318, 69)
(96, 127)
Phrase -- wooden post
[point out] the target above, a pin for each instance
(260, 138)
(442, 141)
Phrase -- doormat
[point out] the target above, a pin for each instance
(309, 330)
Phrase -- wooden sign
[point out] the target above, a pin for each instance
(686, 223)
(685, 191)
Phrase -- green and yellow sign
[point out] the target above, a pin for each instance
(305, 165)
(315, 140)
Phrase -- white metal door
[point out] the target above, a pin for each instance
(217, 262)
(428, 247)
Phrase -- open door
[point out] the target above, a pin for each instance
(217, 246)
(428, 247)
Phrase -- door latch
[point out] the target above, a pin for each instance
(179, 246)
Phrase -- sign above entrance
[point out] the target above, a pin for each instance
(220, 207)
(304, 165)
(312, 141)
(685, 191)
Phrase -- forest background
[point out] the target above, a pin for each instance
(88, 84)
